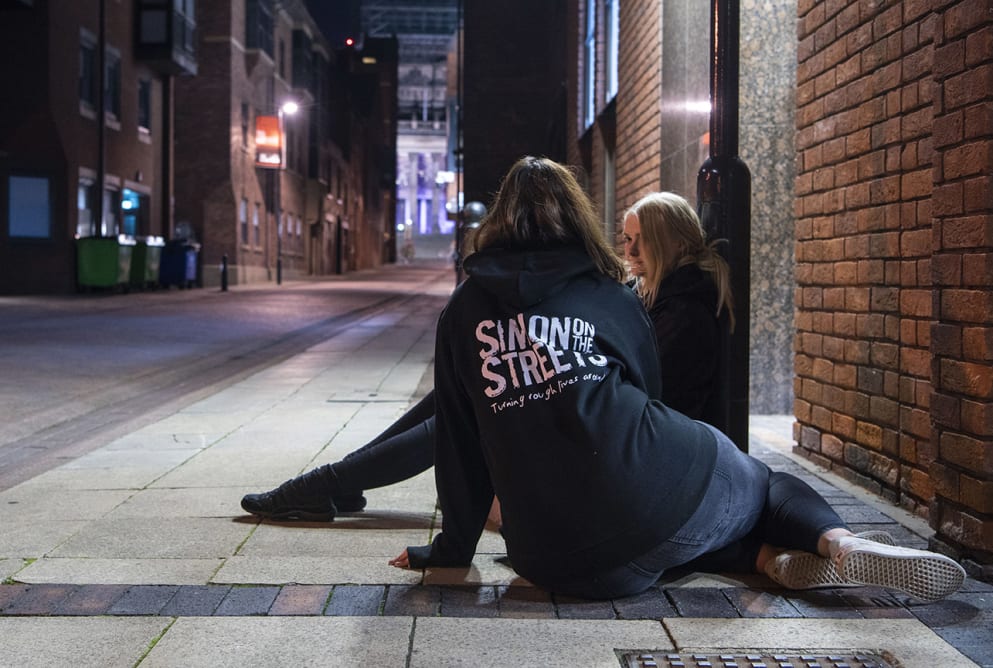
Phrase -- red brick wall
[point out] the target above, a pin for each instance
(894, 386)
(639, 146)
(634, 127)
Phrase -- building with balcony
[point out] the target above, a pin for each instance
(86, 135)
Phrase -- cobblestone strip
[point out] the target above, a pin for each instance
(483, 601)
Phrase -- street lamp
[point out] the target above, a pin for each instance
(288, 108)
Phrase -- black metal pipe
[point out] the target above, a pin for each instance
(99, 213)
(724, 205)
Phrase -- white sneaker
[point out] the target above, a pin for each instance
(924, 575)
(796, 569)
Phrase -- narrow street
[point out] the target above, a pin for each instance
(76, 370)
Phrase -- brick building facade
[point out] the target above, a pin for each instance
(894, 229)
(886, 110)
(327, 210)
(52, 191)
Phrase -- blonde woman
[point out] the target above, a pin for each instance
(684, 284)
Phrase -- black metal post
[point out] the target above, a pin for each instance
(99, 212)
(724, 205)
(224, 273)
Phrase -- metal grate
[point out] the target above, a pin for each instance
(640, 659)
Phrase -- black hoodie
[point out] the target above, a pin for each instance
(547, 384)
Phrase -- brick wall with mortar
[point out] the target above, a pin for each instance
(48, 133)
(894, 235)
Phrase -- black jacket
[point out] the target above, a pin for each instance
(546, 387)
(687, 332)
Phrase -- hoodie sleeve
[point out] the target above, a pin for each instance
(465, 492)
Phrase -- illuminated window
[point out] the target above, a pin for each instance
(612, 14)
(29, 207)
(255, 225)
(243, 220)
(589, 65)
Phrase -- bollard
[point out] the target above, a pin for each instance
(224, 273)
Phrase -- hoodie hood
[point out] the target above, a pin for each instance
(689, 281)
(525, 278)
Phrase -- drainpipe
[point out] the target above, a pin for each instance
(101, 120)
(724, 205)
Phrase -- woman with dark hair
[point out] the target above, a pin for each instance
(681, 280)
(547, 387)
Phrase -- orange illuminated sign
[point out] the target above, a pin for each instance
(268, 142)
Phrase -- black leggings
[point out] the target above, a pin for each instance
(795, 517)
(405, 449)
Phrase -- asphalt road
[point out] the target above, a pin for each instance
(75, 371)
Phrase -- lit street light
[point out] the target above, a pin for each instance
(288, 108)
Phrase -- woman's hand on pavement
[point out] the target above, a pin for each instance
(401, 561)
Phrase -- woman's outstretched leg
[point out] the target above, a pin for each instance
(405, 449)
(830, 555)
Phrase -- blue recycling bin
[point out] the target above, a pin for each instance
(178, 265)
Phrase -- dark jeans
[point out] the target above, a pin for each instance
(745, 501)
(399, 453)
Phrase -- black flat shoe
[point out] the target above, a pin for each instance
(306, 497)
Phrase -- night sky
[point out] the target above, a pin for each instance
(337, 19)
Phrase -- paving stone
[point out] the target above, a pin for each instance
(959, 608)
(468, 601)
(650, 604)
(91, 600)
(10, 593)
(143, 600)
(412, 600)
(356, 600)
(752, 603)
(978, 586)
(196, 600)
(860, 514)
(702, 602)
(568, 607)
(822, 604)
(973, 639)
(40, 599)
(525, 603)
(876, 603)
(247, 601)
(301, 600)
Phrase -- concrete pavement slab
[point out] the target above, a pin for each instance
(513, 643)
(120, 571)
(275, 541)
(181, 502)
(31, 502)
(9, 566)
(312, 570)
(101, 479)
(32, 538)
(262, 469)
(485, 570)
(100, 642)
(909, 641)
(147, 440)
(246, 642)
(156, 538)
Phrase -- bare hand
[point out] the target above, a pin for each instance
(401, 561)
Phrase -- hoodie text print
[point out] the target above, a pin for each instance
(520, 354)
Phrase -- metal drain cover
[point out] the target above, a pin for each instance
(643, 659)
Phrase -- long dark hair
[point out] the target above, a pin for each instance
(541, 205)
